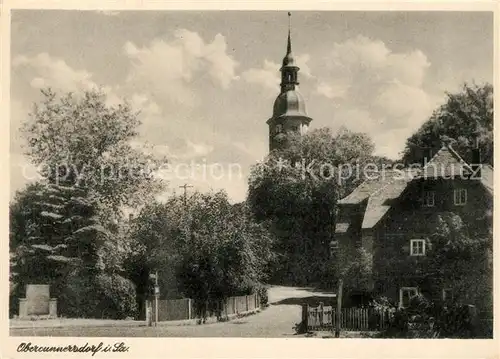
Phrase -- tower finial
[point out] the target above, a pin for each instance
(289, 45)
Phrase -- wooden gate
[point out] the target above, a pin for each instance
(352, 319)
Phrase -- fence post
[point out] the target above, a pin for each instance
(189, 308)
(320, 312)
(149, 317)
(246, 301)
(305, 309)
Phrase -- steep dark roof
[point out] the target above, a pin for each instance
(370, 185)
(380, 201)
(381, 191)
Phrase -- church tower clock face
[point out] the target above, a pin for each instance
(289, 111)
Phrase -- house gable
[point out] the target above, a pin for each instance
(381, 192)
(446, 163)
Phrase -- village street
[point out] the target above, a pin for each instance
(277, 320)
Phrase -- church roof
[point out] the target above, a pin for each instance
(290, 103)
(289, 60)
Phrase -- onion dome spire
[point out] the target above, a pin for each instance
(289, 78)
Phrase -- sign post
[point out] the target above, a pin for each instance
(157, 295)
(339, 309)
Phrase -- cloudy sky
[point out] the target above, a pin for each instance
(206, 81)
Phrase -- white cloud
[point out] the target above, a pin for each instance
(331, 91)
(402, 102)
(371, 60)
(169, 67)
(145, 105)
(197, 149)
(48, 71)
(382, 87)
(267, 76)
(303, 63)
(222, 66)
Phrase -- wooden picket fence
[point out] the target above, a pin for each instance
(183, 309)
(352, 319)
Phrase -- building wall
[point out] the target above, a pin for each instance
(410, 219)
(284, 125)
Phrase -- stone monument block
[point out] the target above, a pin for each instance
(37, 302)
(38, 299)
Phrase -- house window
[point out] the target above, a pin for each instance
(334, 245)
(393, 236)
(460, 196)
(447, 295)
(405, 296)
(279, 128)
(429, 198)
(417, 247)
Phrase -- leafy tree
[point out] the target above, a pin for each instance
(69, 220)
(80, 141)
(459, 118)
(226, 253)
(229, 232)
(295, 192)
(356, 270)
(206, 249)
(156, 236)
(457, 257)
(463, 259)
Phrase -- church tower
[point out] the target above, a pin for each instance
(289, 111)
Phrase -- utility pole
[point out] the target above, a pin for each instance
(157, 295)
(185, 187)
(338, 260)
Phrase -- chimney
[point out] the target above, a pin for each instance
(476, 155)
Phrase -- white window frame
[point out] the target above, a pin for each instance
(418, 240)
(457, 196)
(406, 289)
(279, 128)
(429, 195)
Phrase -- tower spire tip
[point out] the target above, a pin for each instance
(289, 44)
